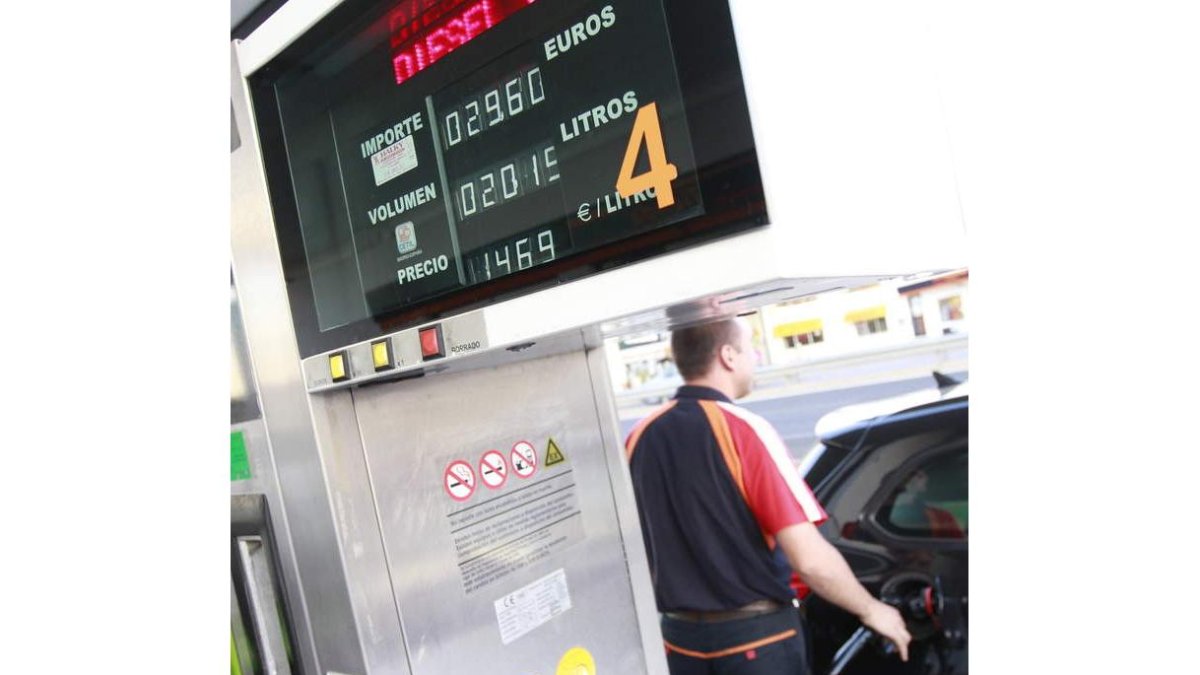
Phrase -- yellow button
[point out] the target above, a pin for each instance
(577, 661)
(337, 366)
(381, 354)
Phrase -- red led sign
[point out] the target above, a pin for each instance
(455, 30)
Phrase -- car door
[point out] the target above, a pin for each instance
(899, 515)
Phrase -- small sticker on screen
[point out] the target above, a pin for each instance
(406, 237)
(394, 160)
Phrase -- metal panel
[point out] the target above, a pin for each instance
(313, 569)
(462, 336)
(247, 511)
(487, 337)
(260, 592)
(456, 566)
(280, 29)
(243, 394)
(646, 607)
(361, 548)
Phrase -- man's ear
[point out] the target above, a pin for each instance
(725, 356)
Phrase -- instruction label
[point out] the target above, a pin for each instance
(527, 608)
(494, 538)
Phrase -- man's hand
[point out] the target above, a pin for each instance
(886, 621)
(823, 568)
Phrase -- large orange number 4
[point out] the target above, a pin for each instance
(661, 173)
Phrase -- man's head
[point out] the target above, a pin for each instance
(717, 354)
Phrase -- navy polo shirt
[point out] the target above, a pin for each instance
(714, 483)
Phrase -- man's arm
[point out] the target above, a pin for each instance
(823, 568)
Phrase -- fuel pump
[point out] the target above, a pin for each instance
(442, 208)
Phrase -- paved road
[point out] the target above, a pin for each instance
(795, 416)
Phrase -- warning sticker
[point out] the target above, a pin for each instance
(459, 480)
(553, 454)
(524, 459)
(493, 469)
(527, 608)
(501, 535)
(394, 160)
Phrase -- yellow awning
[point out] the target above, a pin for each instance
(797, 328)
(867, 314)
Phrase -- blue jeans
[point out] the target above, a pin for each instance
(768, 644)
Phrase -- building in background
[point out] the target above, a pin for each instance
(641, 359)
(820, 327)
(938, 304)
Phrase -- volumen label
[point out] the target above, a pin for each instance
(398, 205)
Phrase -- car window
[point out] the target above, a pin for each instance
(931, 502)
(818, 464)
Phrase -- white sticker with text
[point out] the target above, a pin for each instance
(527, 608)
(394, 160)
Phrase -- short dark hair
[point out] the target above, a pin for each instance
(695, 347)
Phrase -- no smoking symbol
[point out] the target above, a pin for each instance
(524, 459)
(459, 480)
(493, 469)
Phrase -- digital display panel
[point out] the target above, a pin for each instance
(443, 146)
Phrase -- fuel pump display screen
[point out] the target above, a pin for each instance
(431, 155)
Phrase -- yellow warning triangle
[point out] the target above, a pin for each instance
(553, 454)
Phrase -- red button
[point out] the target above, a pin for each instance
(431, 342)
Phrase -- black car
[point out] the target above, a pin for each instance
(893, 477)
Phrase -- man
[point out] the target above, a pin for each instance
(724, 513)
